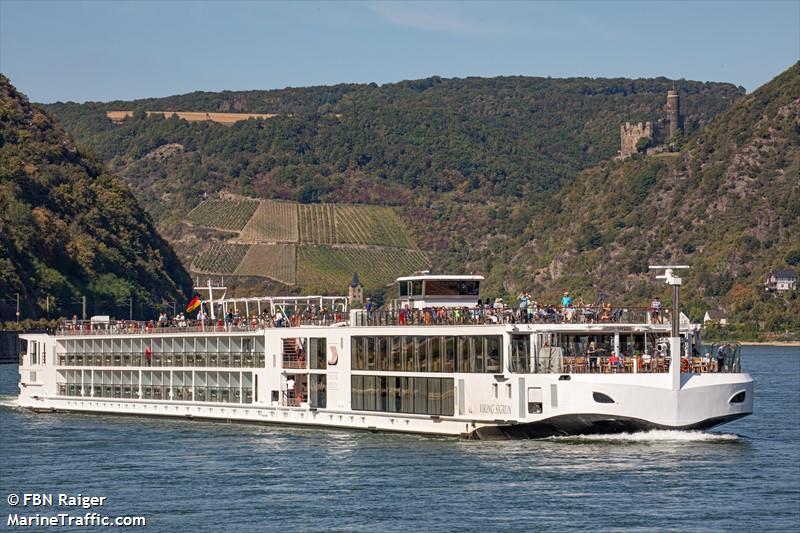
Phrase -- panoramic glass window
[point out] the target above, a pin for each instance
(445, 287)
(473, 354)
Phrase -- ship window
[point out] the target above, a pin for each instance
(416, 287)
(316, 349)
(408, 354)
(369, 393)
(599, 397)
(520, 361)
(738, 397)
(421, 395)
(404, 286)
(317, 390)
(475, 354)
(535, 401)
(422, 354)
(358, 353)
(396, 358)
(449, 354)
(493, 359)
(395, 394)
(382, 356)
(435, 353)
(371, 349)
(446, 287)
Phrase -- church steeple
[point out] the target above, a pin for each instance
(355, 293)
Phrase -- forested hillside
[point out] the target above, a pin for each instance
(728, 205)
(399, 144)
(69, 228)
(510, 177)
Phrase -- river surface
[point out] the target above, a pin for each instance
(203, 476)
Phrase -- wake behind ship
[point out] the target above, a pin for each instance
(433, 362)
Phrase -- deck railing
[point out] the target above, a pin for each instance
(471, 316)
(542, 315)
(161, 359)
(643, 364)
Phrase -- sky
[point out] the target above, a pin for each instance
(100, 51)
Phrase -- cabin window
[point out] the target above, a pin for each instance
(358, 350)
(435, 353)
(422, 354)
(316, 352)
(317, 390)
(408, 354)
(396, 354)
(449, 359)
(382, 353)
(403, 394)
(371, 353)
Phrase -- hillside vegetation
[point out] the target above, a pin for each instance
(511, 177)
(325, 243)
(729, 206)
(69, 228)
(478, 140)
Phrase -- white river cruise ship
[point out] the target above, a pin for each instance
(436, 362)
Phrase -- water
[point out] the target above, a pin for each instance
(213, 477)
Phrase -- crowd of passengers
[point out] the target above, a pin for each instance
(312, 314)
(597, 359)
(527, 310)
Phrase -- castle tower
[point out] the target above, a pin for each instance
(673, 113)
(355, 293)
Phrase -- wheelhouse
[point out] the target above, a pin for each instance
(427, 290)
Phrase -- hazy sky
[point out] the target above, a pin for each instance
(123, 50)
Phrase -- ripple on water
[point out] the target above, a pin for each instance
(242, 477)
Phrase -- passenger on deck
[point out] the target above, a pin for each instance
(523, 299)
(655, 310)
(591, 352)
(615, 361)
(290, 397)
(720, 358)
(605, 314)
(279, 319)
(403, 315)
(646, 360)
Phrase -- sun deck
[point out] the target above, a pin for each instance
(441, 316)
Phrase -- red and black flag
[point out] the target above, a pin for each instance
(194, 303)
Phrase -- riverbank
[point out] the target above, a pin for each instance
(770, 343)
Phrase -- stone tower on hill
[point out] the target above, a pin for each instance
(674, 113)
(656, 132)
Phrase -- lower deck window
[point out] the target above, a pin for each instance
(403, 394)
(198, 386)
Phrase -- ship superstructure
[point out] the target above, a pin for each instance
(421, 365)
